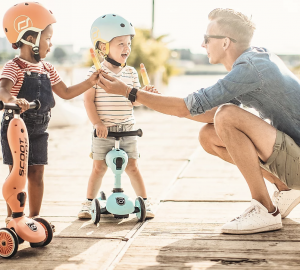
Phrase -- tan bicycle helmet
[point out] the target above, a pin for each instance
(23, 17)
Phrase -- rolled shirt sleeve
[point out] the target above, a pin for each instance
(241, 79)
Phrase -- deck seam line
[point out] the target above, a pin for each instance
(135, 232)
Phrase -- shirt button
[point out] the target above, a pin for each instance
(10, 111)
(6, 118)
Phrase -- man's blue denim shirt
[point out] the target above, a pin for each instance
(260, 80)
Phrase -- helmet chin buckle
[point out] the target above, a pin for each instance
(35, 49)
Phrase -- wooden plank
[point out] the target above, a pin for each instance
(212, 231)
(208, 166)
(193, 189)
(109, 227)
(62, 254)
(168, 253)
(212, 189)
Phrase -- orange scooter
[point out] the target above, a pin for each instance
(37, 231)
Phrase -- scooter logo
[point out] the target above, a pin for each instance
(23, 156)
(31, 226)
(22, 22)
(120, 200)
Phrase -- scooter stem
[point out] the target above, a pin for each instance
(13, 189)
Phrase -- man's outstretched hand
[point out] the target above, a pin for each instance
(111, 85)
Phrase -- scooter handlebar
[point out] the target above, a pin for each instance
(138, 132)
(36, 104)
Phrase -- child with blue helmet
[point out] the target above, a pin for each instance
(111, 36)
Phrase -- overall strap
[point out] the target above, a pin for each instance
(20, 63)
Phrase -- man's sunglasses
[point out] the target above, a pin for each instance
(207, 37)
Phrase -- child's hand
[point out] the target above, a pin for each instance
(22, 103)
(150, 88)
(94, 79)
(101, 130)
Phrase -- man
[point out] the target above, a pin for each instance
(257, 79)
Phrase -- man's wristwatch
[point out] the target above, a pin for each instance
(132, 94)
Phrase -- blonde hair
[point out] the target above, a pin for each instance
(234, 25)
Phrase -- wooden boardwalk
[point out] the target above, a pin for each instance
(193, 194)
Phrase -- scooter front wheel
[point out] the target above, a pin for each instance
(95, 211)
(8, 243)
(48, 230)
(141, 215)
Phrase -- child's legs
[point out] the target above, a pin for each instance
(35, 188)
(95, 180)
(136, 179)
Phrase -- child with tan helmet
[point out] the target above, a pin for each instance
(28, 26)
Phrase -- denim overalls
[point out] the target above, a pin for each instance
(35, 86)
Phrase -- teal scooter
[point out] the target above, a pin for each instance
(118, 203)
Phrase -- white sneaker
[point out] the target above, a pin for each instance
(149, 212)
(286, 201)
(255, 219)
(85, 212)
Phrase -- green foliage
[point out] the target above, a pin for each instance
(153, 52)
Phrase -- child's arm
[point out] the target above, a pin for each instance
(75, 90)
(91, 110)
(5, 95)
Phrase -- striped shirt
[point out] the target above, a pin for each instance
(13, 72)
(115, 109)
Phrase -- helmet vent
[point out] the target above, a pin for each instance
(114, 15)
(130, 24)
(50, 11)
(122, 25)
(15, 5)
(6, 30)
(26, 4)
(104, 16)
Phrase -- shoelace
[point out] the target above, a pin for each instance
(276, 197)
(86, 205)
(248, 211)
(148, 204)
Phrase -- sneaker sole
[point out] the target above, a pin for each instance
(263, 229)
(290, 208)
(150, 217)
(84, 216)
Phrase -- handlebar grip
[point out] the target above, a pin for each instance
(138, 132)
(36, 104)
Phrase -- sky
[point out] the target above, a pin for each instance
(277, 22)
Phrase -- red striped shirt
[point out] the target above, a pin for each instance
(13, 72)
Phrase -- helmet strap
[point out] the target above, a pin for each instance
(108, 59)
(107, 48)
(35, 47)
(113, 62)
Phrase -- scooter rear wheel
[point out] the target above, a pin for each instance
(9, 243)
(139, 202)
(48, 230)
(96, 211)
